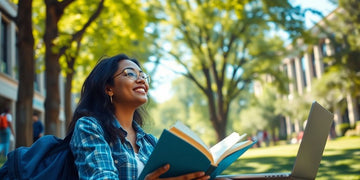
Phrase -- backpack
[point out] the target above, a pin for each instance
(3, 121)
(48, 158)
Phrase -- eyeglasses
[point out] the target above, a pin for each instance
(134, 75)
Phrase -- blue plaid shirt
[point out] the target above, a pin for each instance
(96, 159)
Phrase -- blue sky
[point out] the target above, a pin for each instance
(323, 6)
(164, 76)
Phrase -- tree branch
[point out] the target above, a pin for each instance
(79, 34)
(63, 4)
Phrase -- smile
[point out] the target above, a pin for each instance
(140, 90)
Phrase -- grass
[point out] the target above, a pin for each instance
(341, 160)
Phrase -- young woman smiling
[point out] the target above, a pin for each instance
(107, 139)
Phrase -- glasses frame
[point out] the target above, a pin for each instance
(139, 74)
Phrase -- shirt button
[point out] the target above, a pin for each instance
(116, 161)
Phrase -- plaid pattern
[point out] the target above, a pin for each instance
(96, 159)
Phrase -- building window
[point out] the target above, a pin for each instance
(323, 48)
(4, 66)
(36, 83)
(16, 56)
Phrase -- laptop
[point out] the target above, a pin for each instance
(310, 150)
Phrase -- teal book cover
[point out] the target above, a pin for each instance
(182, 157)
(185, 158)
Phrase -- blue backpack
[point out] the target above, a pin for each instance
(48, 158)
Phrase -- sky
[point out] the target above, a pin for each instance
(164, 76)
(323, 6)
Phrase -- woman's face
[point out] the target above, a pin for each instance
(130, 88)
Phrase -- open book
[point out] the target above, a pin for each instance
(186, 152)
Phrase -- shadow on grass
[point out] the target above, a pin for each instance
(261, 164)
(343, 164)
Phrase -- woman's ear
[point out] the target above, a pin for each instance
(109, 91)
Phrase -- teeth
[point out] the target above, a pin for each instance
(140, 90)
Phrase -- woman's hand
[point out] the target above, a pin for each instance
(155, 175)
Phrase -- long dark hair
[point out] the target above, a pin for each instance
(96, 103)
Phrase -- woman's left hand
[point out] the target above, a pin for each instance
(157, 173)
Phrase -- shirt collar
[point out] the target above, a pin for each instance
(139, 131)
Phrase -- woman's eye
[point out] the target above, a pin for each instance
(131, 74)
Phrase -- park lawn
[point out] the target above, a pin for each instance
(341, 160)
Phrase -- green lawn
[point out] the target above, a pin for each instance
(341, 160)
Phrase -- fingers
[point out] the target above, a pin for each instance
(158, 172)
(195, 175)
(201, 176)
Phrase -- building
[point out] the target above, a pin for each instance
(302, 66)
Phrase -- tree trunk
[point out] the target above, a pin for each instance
(71, 62)
(218, 117)
(352, 109)
(24, 103)
(52, 71)
(68, 87)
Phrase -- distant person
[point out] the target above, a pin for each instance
(6, 130)
(38, 127)
(266, 138)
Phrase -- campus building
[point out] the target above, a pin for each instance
(9, 69)
(305, 64)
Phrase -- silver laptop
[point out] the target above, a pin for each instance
(310, 150)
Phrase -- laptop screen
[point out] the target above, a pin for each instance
(313, 142)
(310, 150)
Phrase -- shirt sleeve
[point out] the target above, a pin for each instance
(9, 117)
(91, 151)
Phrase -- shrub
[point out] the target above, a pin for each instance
(342, 128)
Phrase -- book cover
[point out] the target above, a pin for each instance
(184, 157)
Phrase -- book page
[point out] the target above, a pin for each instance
(189, 136)
(235, 148)
(221, 147)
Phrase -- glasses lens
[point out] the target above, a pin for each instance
(134, 75)
(131, 74)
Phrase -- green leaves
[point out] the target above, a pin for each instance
(223, 45)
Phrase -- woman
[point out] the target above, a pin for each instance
(108, 141)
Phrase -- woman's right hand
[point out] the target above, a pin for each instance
(157, 173)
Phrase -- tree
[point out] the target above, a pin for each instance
(24, 103)
(186, 106)
(70, 50)
(212, 39)
(113, 33)
(53, 52)
(25, 46)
